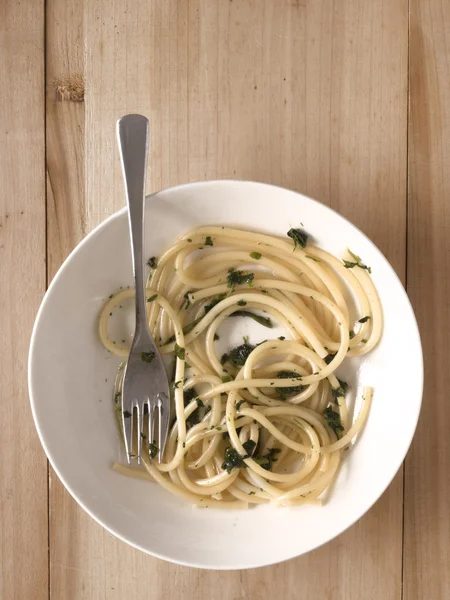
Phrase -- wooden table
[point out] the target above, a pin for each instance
(347, 101)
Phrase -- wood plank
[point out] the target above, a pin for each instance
(66, 219)
(427, 483)
(23, 471)
(309, 95)
(66, 212)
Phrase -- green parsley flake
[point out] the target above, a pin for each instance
(239, 278)
(364, 320)
(240, 354)
(333, 420)
(286, 392)
(179, 352)
(356, 263)
(300, 237)
(233, 460)
(148, 357)
(264, 321)
(152, 450)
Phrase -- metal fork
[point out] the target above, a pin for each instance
(145, 390)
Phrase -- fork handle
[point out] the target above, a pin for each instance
(132, 137)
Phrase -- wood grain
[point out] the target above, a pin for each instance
(66, 214)
(309, 95)
(23, 470)
(427, 483)
(66, 226)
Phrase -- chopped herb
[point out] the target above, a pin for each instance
(176, 384)
(300, 237)
(289, 391)
(152, 298)
(189, 395)
(179, 352)
(216, 337)
(214, 301)
(240, 354)
(225, 435)
(344, 385)
(186, 329)
(153, 450)
(251, 493)
(117, 397)
(341, 390)
(184, 444)
(266, 461)
(187, 301)
(239, 278)
(256, 255)
(242, 303)
(126, 414)
(333, 420)
(152, 262)
(190, 326)
(265, 321)
(239, 404)
(246, 339)
(364, 320)
(193, 418)
(313, 258)
(226, 378)
(148, 357)
(233, 460)
(357, 263)
(110, 296)
(249, 447)
(328, 358)
(351, 334)
(208, 241)
(224, 359)
(364, 341)
(281, 337)
(189, 240)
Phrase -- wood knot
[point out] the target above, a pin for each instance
(70, 88)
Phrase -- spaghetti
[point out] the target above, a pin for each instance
(264, 422)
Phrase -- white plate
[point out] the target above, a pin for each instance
(71, 378)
